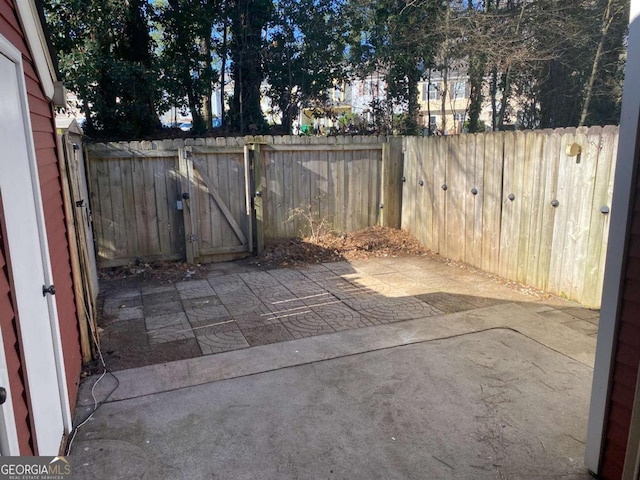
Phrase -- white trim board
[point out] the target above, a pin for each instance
(618, 231)
(28, 291)
(37, 41)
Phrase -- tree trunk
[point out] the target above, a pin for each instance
(197, 122)
(429, 129)
(287, 114)
(207, 108)
(476, 77)
(443, 94)
(607, 19)
(445, 70)
(506, 78)
(136, 52)
(223, 69)
(506, 91)
(413, 107)
(493, 91)
(249, 18)
(477, 68)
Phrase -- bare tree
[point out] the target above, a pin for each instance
(612, 10)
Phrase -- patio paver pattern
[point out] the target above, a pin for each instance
(235, 305)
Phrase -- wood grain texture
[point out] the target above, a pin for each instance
(556, 249)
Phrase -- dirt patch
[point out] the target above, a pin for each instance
(372, 242)
(150, 273)
(368, 243)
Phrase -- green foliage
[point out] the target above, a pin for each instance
(400, 39)
(305, 53)
(104, 52)
(542, 63)
(185, 56)
(248, 19)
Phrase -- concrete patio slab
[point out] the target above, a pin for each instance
(389, 368)
(396, 401)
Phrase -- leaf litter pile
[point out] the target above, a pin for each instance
(327, 246)
(372, 242)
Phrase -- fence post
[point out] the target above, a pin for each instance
(248, 193)
(259, 182)
(391, 183)
(186, 183)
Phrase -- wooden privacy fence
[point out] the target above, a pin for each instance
(349, 182)
(210, 199)
(528, 206)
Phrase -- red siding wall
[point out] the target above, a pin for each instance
(42, 121)
(12, 350)
(627, 356)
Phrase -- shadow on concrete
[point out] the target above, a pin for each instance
(174, 315)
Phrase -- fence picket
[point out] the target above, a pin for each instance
(411, 165)
(477, 198)
(586, 166)
(525, 205)
(468, 199)
(123, 193)
(492, 201)
(508, 223)
(161, 174)
(556, 283)
(440, 177)
(537, 180)
(426, 202)
(599, 223)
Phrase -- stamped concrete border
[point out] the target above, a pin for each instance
(136, 382)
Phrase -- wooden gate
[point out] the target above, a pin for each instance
(161, 201)
(208, 200)
(216, 202)
(80, 232)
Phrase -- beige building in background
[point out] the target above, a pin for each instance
(455, 93)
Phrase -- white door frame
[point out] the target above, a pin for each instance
(14, 55)
(614, 270)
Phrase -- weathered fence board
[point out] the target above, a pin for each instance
(391, 181)
(551, 158)
(493, 202)
(409, 194)
(484, 199)
(512, 226)
(338, 181)
(440, 205)
(130, 213)
(195, 198)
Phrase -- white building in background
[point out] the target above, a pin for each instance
(347, 99)
(365, 91)
(456, 93)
